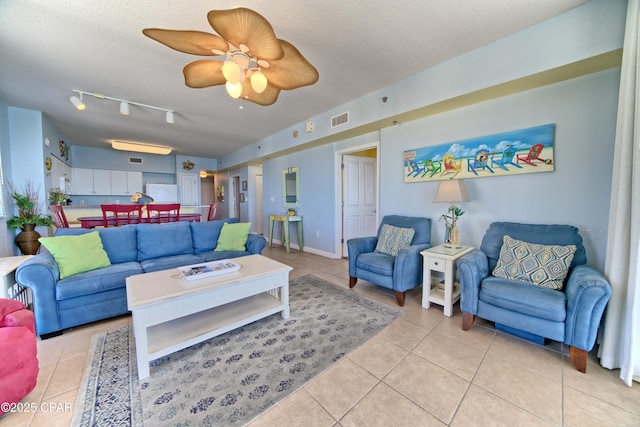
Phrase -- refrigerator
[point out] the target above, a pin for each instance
(163, 193)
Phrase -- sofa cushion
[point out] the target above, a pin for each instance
(168, 262)
(524, 298)
(376, 262)
(163, 240)
(392, 239)
(218, 255)
(205, 234)
(233, 237)
(120, 243)
(76, 254)
(542, 265)
(95, 281)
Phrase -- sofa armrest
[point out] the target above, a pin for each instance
(588, 293)
(472, 269)
(407, 271)
(40, 274)
(256, 243)
(357, 246)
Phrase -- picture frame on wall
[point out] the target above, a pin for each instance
(244, 186)
(241, 197)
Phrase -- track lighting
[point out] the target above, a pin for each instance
(77, 102)
(124, 104)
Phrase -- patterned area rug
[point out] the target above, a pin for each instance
(230, 379)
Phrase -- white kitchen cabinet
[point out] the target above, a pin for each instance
(125, 182)
(94, 182)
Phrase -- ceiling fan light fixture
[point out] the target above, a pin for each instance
(231, 71)
(140, 148)
(124, 108)
(77, 102)
(234, 89)
(258, 81)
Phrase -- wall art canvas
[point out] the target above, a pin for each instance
(509, 153)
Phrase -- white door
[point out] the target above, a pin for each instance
(188, 189)
(359, 196)
(259, 210)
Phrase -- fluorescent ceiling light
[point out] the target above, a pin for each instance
(140, 148)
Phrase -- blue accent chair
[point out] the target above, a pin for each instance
(570, 315)
(402, 272)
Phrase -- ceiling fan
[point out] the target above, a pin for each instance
(256, 64)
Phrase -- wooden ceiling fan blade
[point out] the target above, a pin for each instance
(268, 97)
(292, 71)
(243, 26)
(203, 73)
(192, 42)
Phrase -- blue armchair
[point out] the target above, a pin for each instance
(570, 315)
(400, 272)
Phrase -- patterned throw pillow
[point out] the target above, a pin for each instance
(392, 239)
(542, 265)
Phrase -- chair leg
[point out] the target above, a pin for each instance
(400, 296)
(467, 320)
(352, 281)
(578, 357)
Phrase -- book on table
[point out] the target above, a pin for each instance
(208, 269)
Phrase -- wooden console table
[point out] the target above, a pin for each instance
(286, 219)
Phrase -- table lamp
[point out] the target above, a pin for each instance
(451, 191)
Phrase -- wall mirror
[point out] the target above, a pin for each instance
(291, 187)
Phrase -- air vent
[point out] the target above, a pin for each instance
(136, 160)
(340, 119)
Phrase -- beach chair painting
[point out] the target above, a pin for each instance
(514, 152)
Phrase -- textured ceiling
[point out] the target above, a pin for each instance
(48, 48)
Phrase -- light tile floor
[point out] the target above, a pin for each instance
(422, 370)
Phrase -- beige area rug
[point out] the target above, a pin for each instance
(230, 379)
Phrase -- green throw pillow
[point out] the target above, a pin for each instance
(541, 265)
(77, 254)
(392, 239)
(233, 237)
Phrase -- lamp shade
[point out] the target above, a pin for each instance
(451, 191)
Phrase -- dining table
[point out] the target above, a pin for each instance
(97, 221)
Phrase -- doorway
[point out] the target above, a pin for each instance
(235, 182)
(358, 196)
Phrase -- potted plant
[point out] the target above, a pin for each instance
(28, 218)
(57, 196)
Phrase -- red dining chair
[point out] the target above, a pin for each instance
(213, 209)
(121, 214)
(163, 212)
(58, 216)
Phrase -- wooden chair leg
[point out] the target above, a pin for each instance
(352, 281)
(578, 357)
(467, 320)
(400, 296)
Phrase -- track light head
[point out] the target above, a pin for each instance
(169, 117)
(77, 102)
(124, 108)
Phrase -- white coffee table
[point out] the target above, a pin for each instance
(170, 313)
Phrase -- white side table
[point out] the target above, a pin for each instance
(442, 259)
(8, 287)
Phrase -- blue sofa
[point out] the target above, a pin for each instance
(132, 249)
(570, 315)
